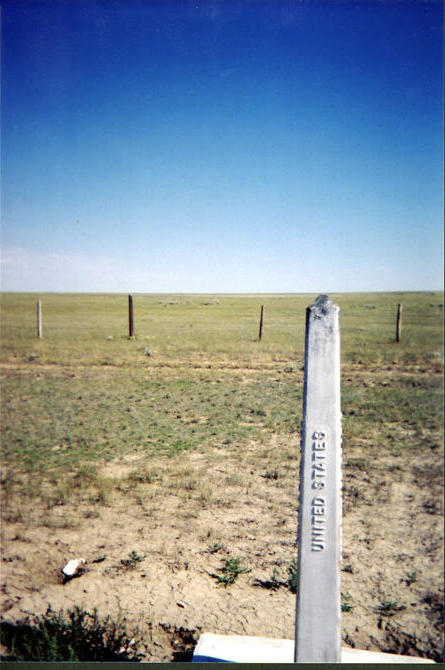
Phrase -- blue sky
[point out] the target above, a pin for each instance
(214, 146)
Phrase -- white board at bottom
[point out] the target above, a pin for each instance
(213, 648)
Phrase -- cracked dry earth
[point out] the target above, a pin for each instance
(230, 502)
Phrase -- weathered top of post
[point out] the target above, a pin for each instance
(325, 312)
(322, 306)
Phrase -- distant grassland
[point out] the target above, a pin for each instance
(93, 328)
(194, 376)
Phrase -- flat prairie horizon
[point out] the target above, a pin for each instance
(231, 293)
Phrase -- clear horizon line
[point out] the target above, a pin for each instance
(221, 293)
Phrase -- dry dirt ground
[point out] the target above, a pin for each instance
(238, 503)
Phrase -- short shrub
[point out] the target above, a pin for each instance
(78, 636)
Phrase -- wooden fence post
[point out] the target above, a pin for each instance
(130, 317)
(260, 335)
(39, 319)
(399, 322)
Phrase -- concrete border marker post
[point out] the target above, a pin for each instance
(318, 614)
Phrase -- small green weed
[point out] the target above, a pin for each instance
(389, 608)
(273, 584)
(275, 581)
(292, 582)
(411, 577)
(231, 570)
(217, 546)
(346, 605)
(271, 474)
(133, 559)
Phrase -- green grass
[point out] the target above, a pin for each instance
(411, 577)
(275, 581)
(346, 604)
(72, 637)
(134, 558)
(417, 411)
(54, 421)
(92, 328)
(86, 394)
(292, 581)
(390, 607)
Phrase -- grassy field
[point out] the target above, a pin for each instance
(92, 329)
(196, 380)
(85, 391)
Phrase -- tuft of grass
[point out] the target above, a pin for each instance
(411, 577)
(216, 546)
(76, 636)
(144, 475)
(346, 605)
(133, 559)
(292, 582)
(275, 579)
(390, 607)
(271, 474)
(275, 582)
(272, 584)
(205, 494)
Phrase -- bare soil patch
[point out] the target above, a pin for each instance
(213, 505)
